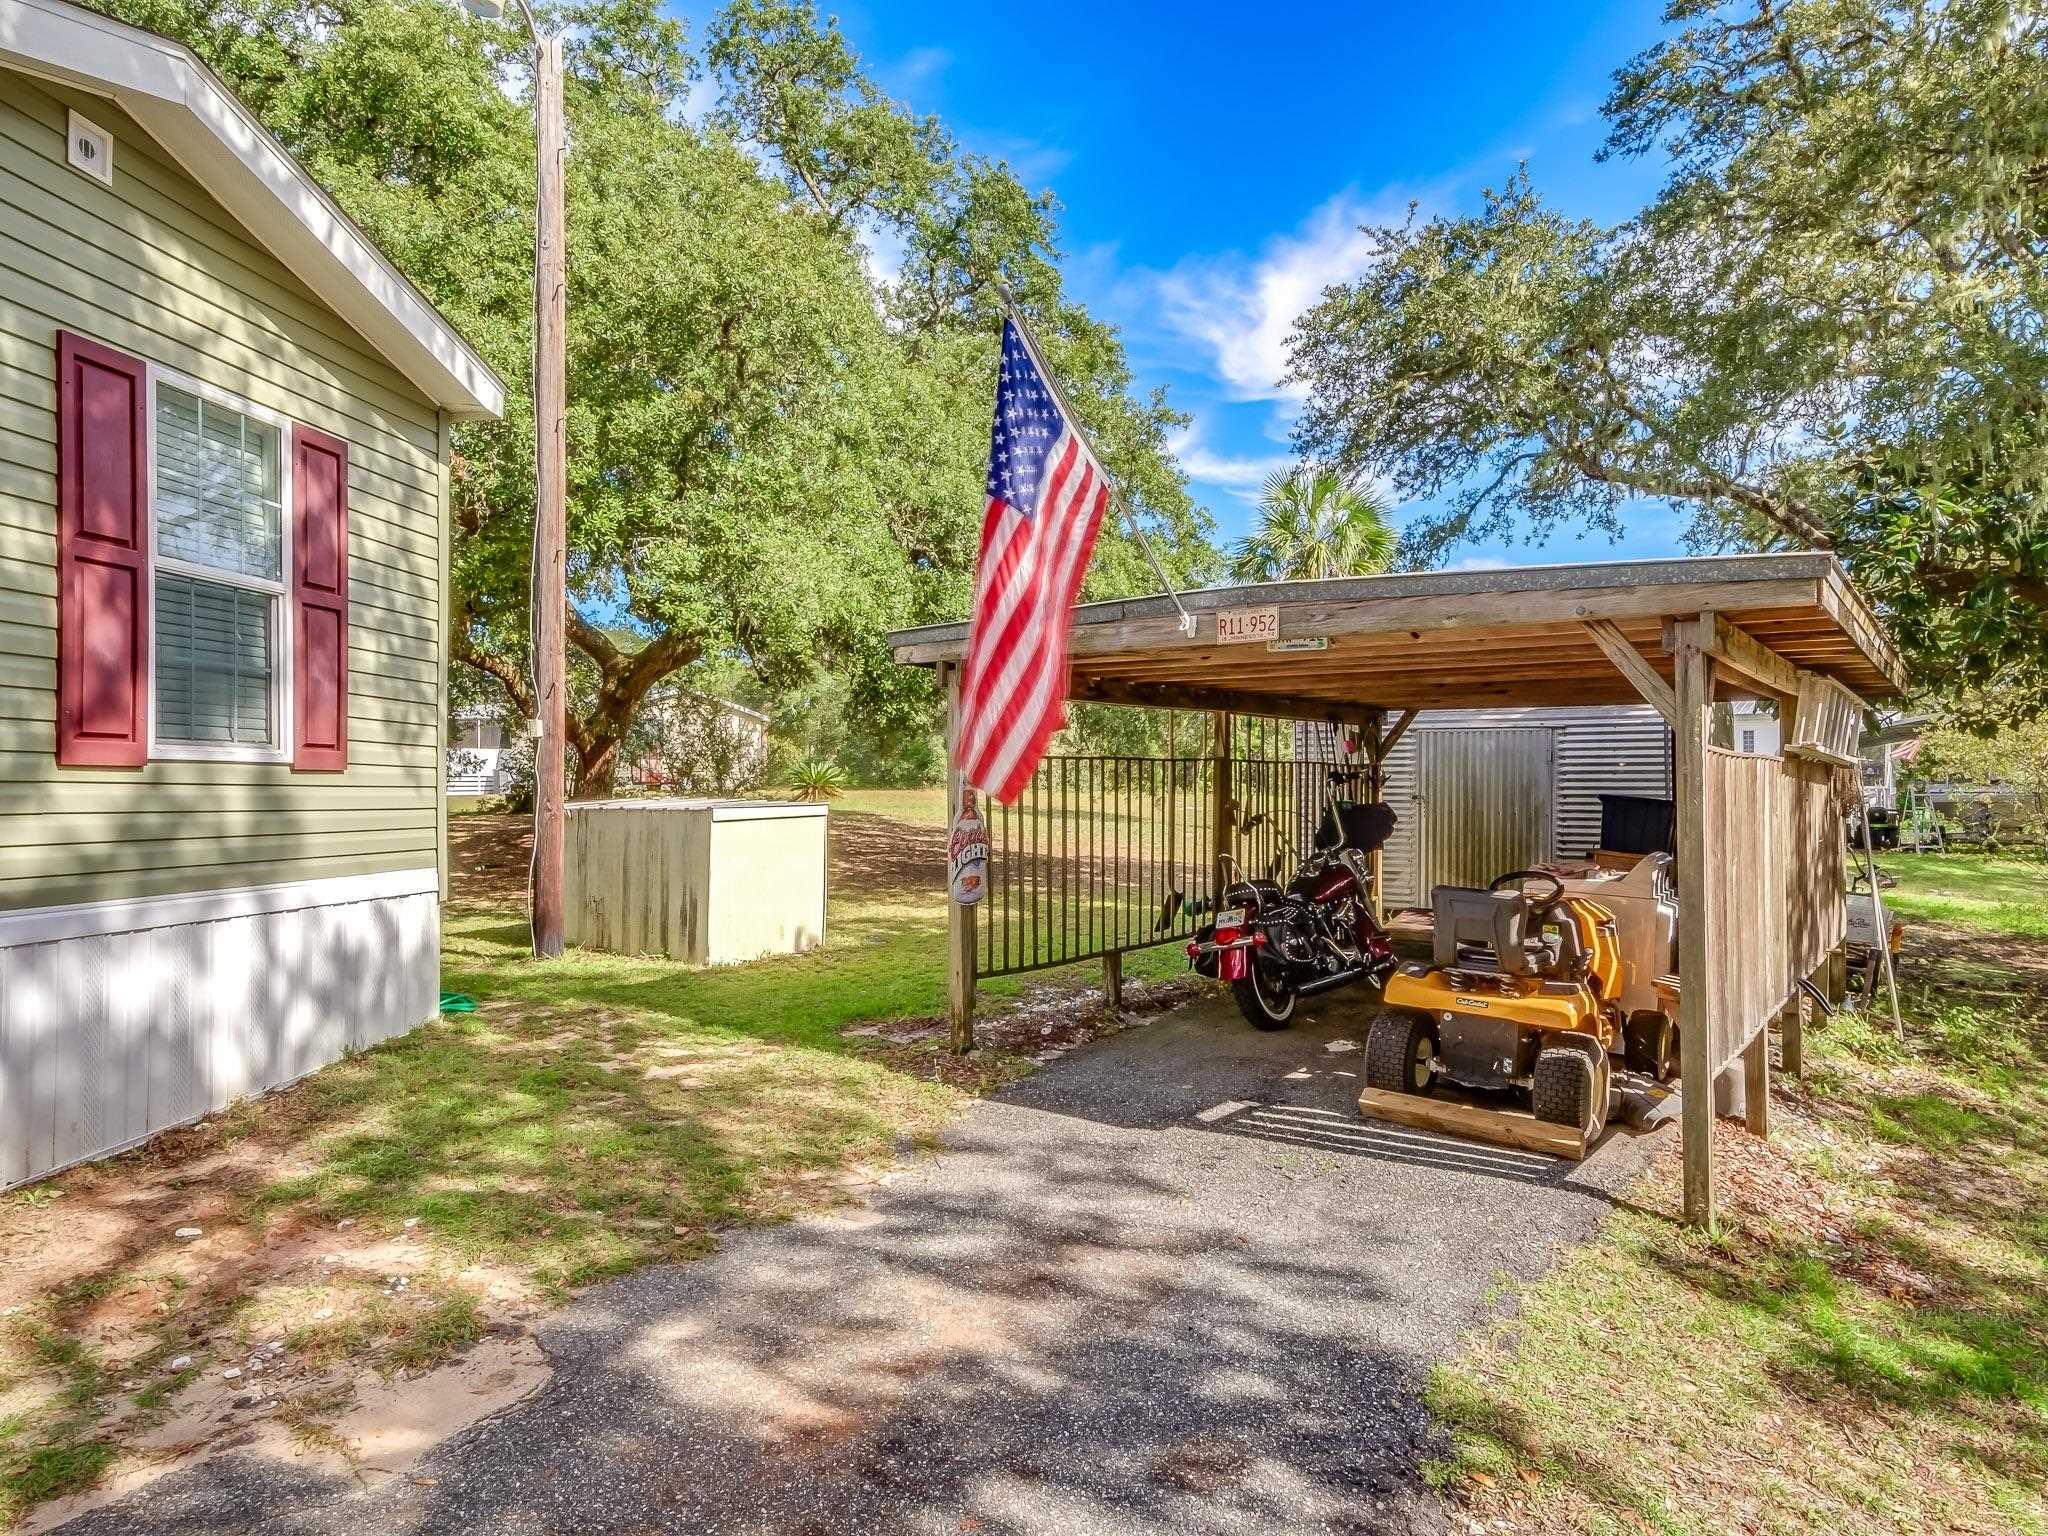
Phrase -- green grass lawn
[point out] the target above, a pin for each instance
(926, 807)
(1863, 1346)
(594, 1114)
(1984, 891)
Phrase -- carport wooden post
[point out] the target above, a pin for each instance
(1693, 704)
(1375, 791)
(959, 918)
(1224, 830)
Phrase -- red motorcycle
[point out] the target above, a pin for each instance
(1278, 944)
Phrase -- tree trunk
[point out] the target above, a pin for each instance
(597, 768)
(624, 679)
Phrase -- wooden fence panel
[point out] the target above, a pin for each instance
(1775, 908)
(1748, 967)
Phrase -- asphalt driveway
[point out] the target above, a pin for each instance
(1172, 1283)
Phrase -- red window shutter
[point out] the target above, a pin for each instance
(319, 601)
(102, 556)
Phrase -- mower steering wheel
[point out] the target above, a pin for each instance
(1515, 879)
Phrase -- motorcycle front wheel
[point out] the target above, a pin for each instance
(1266, 1001)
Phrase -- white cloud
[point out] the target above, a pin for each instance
(1241, 309)
(1240, 474)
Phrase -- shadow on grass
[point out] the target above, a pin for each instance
(1871, 1325)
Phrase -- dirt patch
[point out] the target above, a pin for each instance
(881, 856)
(1202, 1466)
(1048, 1020)
(212, 1323)
(348, 1421)
(1995, 966)
(489, 858)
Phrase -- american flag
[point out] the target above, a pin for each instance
(1046, 496)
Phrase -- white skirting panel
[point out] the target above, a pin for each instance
(109, 1037)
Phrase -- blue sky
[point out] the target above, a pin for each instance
(1215, 159)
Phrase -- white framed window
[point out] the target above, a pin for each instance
(220, 521)
(1749, 741)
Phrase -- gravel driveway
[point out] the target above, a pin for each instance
(1171, 1283)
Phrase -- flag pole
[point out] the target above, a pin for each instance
(1016, 317)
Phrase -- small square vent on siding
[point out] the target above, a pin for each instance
(90, 149)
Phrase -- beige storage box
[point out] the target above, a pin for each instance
(710, 882)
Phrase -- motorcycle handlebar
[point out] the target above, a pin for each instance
(1346, 775)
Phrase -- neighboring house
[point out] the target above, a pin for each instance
(476, 752)
(224, 428)
(1885, 752)
(698, 743)
(1755, 727)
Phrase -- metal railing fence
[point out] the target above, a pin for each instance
(1090, 857)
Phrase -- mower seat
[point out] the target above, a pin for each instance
(1490, 931)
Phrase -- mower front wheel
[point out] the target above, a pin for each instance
(1400, 1053)
(1570, 1088)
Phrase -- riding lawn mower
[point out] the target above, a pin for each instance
(1533, 983)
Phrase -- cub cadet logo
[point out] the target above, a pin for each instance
(1470, 1002)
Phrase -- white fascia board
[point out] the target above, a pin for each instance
(187, 109)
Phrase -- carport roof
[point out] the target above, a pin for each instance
(1454, 639)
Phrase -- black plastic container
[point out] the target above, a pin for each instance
(1638, 824)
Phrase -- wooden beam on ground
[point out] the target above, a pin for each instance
(959, 919)
(1113, 979)
(1507, 1128)
(1792, 1033)
(1633, 665)
(1695, 702)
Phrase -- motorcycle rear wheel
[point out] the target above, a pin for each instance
(1264, 1003)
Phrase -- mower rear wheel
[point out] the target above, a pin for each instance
(1570, 1088)
(1400, 1054)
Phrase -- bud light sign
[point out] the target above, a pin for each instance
(967, 856)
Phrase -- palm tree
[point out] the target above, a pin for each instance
(1313, 524)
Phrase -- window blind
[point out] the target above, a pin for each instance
(213, 662)
(219, 478)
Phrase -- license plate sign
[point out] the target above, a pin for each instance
(1245, 626)
(1230, 917)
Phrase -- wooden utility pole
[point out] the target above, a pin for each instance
(550, 536)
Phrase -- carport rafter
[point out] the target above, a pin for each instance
(1673, 632)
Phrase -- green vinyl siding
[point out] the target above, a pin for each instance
(154, 267)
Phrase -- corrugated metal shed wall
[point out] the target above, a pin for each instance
(1627, 753)
(1486, 795)
(1616, 750)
